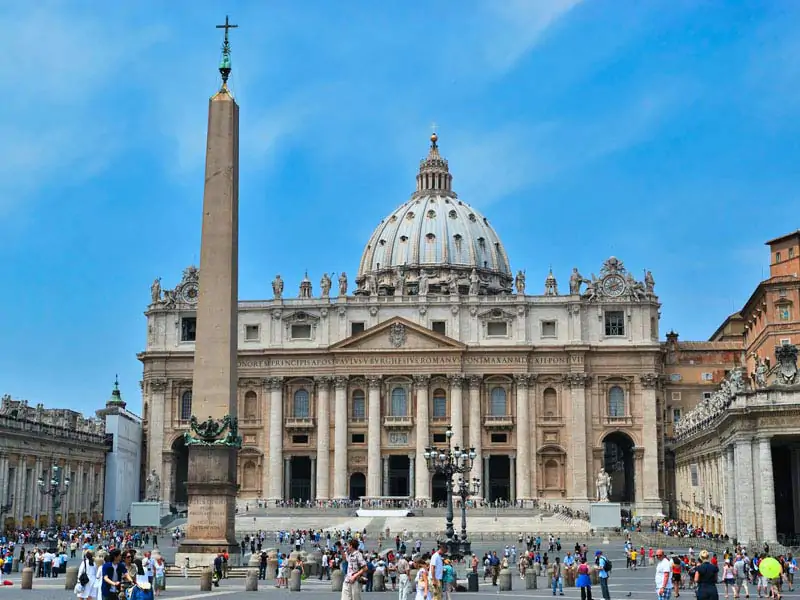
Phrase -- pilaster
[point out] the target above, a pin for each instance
(422, 485)
(475, 426)
(580, 481)
(276, 439)
(322, 480)
(522, 473)
(650, 434)
(374, 438)
(156, 419)
(340, 438)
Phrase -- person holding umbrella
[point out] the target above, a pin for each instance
(771, 570)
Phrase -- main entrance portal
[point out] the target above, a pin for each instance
(399, 480)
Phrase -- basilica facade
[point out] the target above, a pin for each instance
(340, 391)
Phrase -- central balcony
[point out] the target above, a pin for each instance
(299, 424)
(498, 422)
(396, 423)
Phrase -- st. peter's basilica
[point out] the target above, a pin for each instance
(341, 390)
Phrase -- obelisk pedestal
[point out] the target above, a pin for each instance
(213, 440)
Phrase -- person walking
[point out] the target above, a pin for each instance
(402, 575)
(663, 576)
(727, 577)
(705, 576)
(584, 580)
(740, 575)
(557, 579)
(603, 567)
(356, 568)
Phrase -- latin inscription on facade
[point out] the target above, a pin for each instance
(558, 360)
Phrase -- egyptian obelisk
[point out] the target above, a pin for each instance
(213, 439)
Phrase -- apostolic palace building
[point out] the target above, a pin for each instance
(341, 389)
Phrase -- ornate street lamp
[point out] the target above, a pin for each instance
(449, 462)
(465, 490)
(56, 491)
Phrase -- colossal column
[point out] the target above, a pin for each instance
(214, 439)
(155, 430)
(457, 416)
(422, 484)
(523, 472)
(323, 438)
(580, 481)
(649, 432)
(340, 439)
(276, 440)
(475, 424)
(374, 438)
(745, 506)
(770, 531)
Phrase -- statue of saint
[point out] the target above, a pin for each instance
(520, 283)
(649, 282)
(153, 488)
(325, 285)
(400, 283)
(474, 283)
(155, 291)
(277, 287)
(343, 284)
(603, 485)
(575, 281)
(422, 288)
(452, 284)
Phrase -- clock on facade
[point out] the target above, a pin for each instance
(613, 285)
(190, 293)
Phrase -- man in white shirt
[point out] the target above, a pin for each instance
(663, 576)
(437, 571)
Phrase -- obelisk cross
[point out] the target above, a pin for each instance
(225, 63)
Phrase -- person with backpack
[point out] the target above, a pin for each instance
(603, 565)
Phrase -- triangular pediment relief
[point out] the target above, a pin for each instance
(496, 314)
(398, 335)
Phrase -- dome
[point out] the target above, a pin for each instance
(437, 233)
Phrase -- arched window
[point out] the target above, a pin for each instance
(498, 406)
(186, 405)
(550, 404)
(249, 475)
(439, 404)
(399, 403)
(250, 405)
(300, 409)
(616, 402)
(551, 478)
(359, 405)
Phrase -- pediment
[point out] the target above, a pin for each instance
(496, 314)
(398, 335)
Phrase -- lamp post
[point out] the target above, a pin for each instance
(466, 488)
(56, 491)
(448, 462)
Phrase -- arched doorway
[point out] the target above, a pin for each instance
(619, 464)
(180, 454)
(499, 478)
(438, 488)
(358, 486)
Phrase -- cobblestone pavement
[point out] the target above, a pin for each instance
(624, 585)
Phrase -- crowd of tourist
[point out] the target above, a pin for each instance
(681, 529)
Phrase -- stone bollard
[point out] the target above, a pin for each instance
(504, 580)
(251, 581)
(569, 577)
(311, 568)
(537, 568)
(26, 582)
(594, 575)
(378, 582)
(294, 580)
(531, 581)
(205, 580)
(71, 579)
(337, 580)
(272, 569)
(254, 561)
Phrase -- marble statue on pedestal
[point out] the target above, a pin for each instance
(343, 284)
(153, 487)
(603, 485)
(277, 287)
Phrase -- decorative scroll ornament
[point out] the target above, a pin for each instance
(786, 373)
(211, 432)
(615, 282)
(397, 335)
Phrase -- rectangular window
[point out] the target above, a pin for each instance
(786, 341)
(439, 407)
(439, 327)
(301, 332)
(694, 474)
(784, 313)
(615, 323)
(251, 333)
(358, 438)
(676, 415)
(782, 292)
(188, 329)
(707, 376)
(359, 407)
(356, 328)
(548, 329)
(300, 439)
(706, 395)
(777, 257)
(676, 396)
(791, 252)
(439, 438)
(497, 328)
(499, 438)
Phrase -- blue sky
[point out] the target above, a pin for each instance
(664, 133)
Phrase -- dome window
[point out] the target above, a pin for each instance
(453, 214)
(431, 214)
(482, 243)
(430, 237)
(472, 217)
(393, 219)
(485, 220)
(382, 242)
(403, 238)
(457, 237)
(410, 216)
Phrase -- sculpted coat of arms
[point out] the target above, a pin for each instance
(397, 335)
